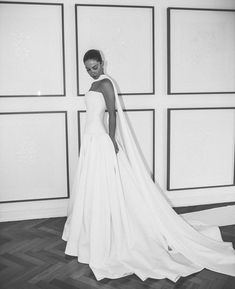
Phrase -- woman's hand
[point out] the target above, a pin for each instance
(115, 146)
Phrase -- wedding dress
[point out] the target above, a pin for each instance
(119, 221)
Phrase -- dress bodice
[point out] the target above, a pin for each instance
(95, 112)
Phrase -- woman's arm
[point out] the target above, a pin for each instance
(109, 96)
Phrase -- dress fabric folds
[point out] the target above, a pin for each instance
(119, 221)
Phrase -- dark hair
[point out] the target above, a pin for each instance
(92, 54)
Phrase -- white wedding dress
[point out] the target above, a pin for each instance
(119, 221)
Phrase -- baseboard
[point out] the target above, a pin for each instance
(33, 210)
(221, 216)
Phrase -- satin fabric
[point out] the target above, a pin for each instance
(119, 221)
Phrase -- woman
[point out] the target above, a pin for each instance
(119, 221)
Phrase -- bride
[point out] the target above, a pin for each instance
(119, 221)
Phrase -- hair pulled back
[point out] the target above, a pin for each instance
(92, 54)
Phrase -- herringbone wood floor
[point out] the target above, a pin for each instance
(32, 257)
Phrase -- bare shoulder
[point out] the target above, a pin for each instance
(106, 85)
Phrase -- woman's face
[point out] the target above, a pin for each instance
(94, 68)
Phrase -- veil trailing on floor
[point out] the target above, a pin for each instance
(198, 242)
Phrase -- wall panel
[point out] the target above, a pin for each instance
(201, 45)
(201, 144)
(112, 29)
(33, 156)
(32, 49)
(142, 123)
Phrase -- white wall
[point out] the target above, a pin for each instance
(37, 43)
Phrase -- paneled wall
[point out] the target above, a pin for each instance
(173, 63)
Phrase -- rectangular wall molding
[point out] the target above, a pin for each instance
(115, 38)
(30, 167)
(148, 153)
(200, 51)
(200, 148)
(32, 52)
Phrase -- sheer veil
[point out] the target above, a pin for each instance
(146, 234)
(199, 242)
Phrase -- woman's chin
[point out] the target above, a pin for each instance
(96, 76)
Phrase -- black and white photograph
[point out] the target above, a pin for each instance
(117, 144)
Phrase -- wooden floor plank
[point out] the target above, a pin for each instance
(32, 257)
